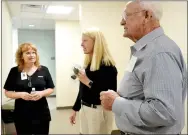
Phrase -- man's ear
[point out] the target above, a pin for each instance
(148, 15)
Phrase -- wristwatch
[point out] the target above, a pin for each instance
(90, 83)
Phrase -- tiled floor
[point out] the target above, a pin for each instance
(60, 120)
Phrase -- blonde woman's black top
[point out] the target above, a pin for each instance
(103, 79)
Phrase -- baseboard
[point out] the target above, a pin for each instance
(115, 132)
(62, 108)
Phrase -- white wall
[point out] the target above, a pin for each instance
(68, 53)
(14, 44)
(45, 43)
(174, 23)
(7, 47)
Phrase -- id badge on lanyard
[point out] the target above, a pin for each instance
(23, 76)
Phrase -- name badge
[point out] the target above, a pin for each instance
(131, 64)
(23, 76)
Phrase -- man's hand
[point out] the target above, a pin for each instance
(25, 96)
(37, 95)
(107, 99)
(83, 78)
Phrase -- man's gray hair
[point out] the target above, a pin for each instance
(154, 7)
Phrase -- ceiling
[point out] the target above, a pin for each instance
(25, 13)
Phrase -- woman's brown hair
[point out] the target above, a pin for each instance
(19, 55)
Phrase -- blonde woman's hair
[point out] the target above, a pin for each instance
(101, 54)
(19, 55)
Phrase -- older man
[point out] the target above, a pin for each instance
(152, 93)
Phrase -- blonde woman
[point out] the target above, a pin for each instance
(29, 83)
(100, 75)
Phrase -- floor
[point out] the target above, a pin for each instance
(60, 120)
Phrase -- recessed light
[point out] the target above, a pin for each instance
(59, 10)
(31, 25)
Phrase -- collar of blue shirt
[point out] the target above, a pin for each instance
(147, 38)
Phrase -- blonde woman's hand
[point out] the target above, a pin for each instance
(83, 77)
(72, 118)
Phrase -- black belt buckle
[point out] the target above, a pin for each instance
(93, 106)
